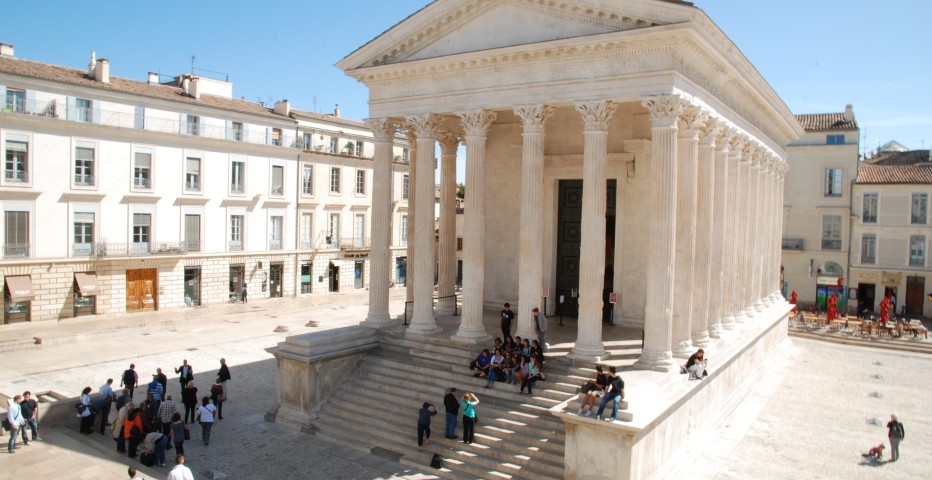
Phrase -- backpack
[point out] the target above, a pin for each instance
(129, 377)
(897, 430)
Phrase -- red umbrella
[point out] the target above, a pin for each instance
(832, 302)
(793, 298)
(884, 310)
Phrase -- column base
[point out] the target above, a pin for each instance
(701, 339)
(767, 299)
(716, 330)
(759, 305)
(656, 361)
(446, 307)
(588, 353)
(741, 317)
(381, 320)
(750, 313)
(421, 326)
(728, 322)
(471, 335)
(683, 349)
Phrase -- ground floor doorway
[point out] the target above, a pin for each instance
(334, 276)
(275, 279)
(915, 295)
(306, 269)
(359, 270)
(890, 292)
(192, 286)
(237, 280)
(142, 289)
(401, 270)
(866, 298)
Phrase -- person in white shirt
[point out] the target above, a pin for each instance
(14, 415)
(180, 472)
(205, 416)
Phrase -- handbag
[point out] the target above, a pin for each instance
(135, 432)
(187, 433)
(7, 425)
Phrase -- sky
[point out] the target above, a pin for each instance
(818, 55)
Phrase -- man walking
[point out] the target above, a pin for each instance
(107, 394)
(180, 472)
(507, 317)
(155, 388)
(130, 379)
(163, 379)
(15, 416)
(223, 376)
(540, 326)
(185, 374)
(30, 410)
(166, 410)
(896, 433)
(452, 406)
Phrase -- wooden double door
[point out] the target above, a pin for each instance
(142, 289)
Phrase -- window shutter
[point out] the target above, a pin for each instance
(140, 120)
(95, 113)
(194, 165)
(71, 108)
(229, 130)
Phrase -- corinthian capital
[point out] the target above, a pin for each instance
(724, 136)
(426, 125)
(737, 143)
(382, 129)
(448, 143)
(477, 122)
(596, 114)
(691, 120)
(533, 116)
(664, 110)
(709, 131)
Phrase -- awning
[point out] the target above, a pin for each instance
(20, 288)
(87, 283)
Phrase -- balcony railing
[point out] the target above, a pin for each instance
(237, 188)
(82, 249)
(831, 244)
(278, 190)
(140, 249)
(192, 185)
(16, 250)
(142, 182)
(84, 180)
(235, 246)
(21, 176)
(351, 243)
(275, 244)
(53, 109)
(793, 244)
(193, 246)
(868, 260)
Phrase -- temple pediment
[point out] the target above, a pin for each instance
(451, 27)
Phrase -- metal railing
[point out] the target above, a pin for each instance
(279, 190)
(275, 244)
(237, 188)
(831, 244)
(84, 180)
(193, 246)
(235, 246)
(140, 249)
(353, 242)
(82, 249)
(16, 176)
(192, 185)
(142, 182)
(16, 250)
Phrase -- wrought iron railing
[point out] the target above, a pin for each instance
(275, 244)
(82, 249)
(16, 250)
(235, 246)
(142, 182)
(16, 176)
(140, 249)
(84, 180)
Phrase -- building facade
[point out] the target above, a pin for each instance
(817, 207)
(121, 196)
(891, 231)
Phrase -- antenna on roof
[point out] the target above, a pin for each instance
(192, 64)
(315, 104)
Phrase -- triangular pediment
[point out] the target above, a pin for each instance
(451, 27)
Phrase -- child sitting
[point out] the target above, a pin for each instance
(875, 452)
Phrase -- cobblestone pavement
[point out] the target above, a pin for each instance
(243, 445)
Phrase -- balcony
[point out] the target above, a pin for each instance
(354, 243)
(831, 244)
(193, 246)
(793, 244)
(140, 249)
(16, 250)
(84, 180)
(18, 176)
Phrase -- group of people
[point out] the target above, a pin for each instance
(22, 417)
(452, 405)
(515, 362)
(155, 423)
(607, 386)
(895, 434)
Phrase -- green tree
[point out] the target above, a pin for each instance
(461, 191)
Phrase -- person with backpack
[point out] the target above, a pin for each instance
(217, 395)
(896, 433)
(130, 379)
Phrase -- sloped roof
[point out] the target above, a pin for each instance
(329, 118)
(896, 167)
(72, 76)
(824, 122)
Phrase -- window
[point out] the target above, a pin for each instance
(868, 249)
(17, 159)
(832, 182)
(278, 180)
(869, 214)
(192, 232)
(334, 144)
(142, 169)
(275, 236)
(84, 165)
(835, 139)
(335, 179)
(192, 125)
(236, 131)
(404, 155)
(306, 144)
(359, 230)
(333, 231)
(236, 232)
(142, 225)
(238, 176)
(360, 182)
(83, 233)
(919, 208)
(139, 119)
(360, 148)
(307, 180)
(276, 137)
(404, 187)
(307, 230)
(16, 234)
(192, 175)
(459, 244)
(15, 100)
(917, 250)
(404, 230)
(831, 232)
(82, 110)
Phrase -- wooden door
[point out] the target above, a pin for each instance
(142, 289)
(915, 295)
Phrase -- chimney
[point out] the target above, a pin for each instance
(6, 50)
(849, 113)
(336, 111)
(195, 87)
(185, 84)
(283, 107)
(102, 71)
(153, 78)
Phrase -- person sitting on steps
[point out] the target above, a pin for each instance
(590, 391)
(696, 366)
(481, 363)
(495, 369)
(533, 375)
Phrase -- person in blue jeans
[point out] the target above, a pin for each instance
(452, 406)
(615, 392)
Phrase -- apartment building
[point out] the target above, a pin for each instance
(121, 195)
(817, 207)
(891, 232)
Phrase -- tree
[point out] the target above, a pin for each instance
(460, 191)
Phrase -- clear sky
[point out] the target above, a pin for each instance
(817, 54)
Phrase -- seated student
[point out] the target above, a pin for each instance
(590, 391)
(526, 349)
(509, 367)
(517, 346)
(522, 371)
(537, 352)
(508, 345)
(495, 369)
(497, 345)
(481, 363)
(696, 366)
(533, 375)
(614, 391)
(875, 452)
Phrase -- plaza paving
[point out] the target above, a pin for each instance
(817, 408)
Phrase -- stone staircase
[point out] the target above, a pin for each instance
(375, 410)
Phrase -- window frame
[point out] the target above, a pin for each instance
(135, 169)
(277, 231)
(917, 260)
(875, 200)
(15, 107)
(83, 110)
(19, 138)
(88, 179)
(830, 182)
(869, 242)
(835, 139)
(231, 180)
(307, 230)
(360, 182)
(196, 188)
(140, 231)
(307, 179)
(403, 231)
(17, 248)
(825, 241)
(333, 228)
(406, 186)
(335, 174)
(236, 229)
(200, 231)
(921, 217)
(277, 190)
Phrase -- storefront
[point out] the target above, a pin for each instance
(142, 289)
(275, 279)
(306, 269)
(17, 299)
(237, 280)
(825, 288)
(359, 267)
(85, 293)
(192, 286)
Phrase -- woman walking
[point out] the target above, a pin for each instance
(205, 416)
(87, 416)
(469, 403)
(189, 400)
(178, 429)
(423, 423)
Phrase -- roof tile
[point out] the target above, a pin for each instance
(823, 122)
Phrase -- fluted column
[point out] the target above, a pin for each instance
(758, 236)
(686, 196)
(596, 116)
(531, 257)
(422, 321)
(476, 123)
(705, 181)
(767, 221)
(750, 236)
(658, 315)
(380, 256)
(447, 252)
(741, 243)
(411, 134)
(731, 294)
(782, 169)
(721, 198)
